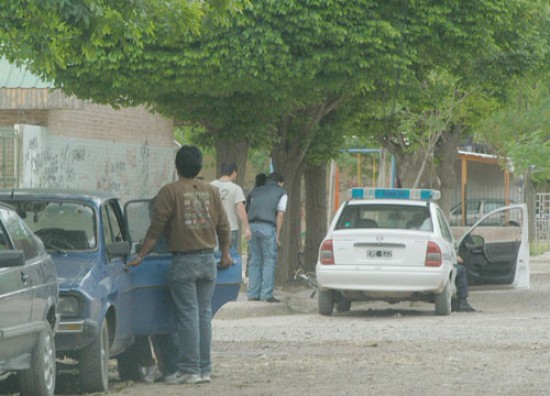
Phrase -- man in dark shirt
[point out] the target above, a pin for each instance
(266, 213)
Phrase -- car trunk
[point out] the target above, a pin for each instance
(370, 247)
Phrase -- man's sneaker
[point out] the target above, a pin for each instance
(182, 378)
(273, 300)
(205, 377)
(151, 374)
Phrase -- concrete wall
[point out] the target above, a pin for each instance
(127, 170)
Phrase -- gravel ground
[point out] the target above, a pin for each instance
(376, 348)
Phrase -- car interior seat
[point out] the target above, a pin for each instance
(77, 238)
(366, 223)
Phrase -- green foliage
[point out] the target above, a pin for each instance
(239, 68)
(521, 131)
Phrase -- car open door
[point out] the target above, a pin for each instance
(152, 304)
(495, 250)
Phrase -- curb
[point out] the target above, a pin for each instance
(295, 300)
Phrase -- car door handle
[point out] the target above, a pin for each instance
(24, 277)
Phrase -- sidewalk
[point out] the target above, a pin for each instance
(295, 299)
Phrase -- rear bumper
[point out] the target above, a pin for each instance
(383, 282)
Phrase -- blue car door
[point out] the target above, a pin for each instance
(152, 304)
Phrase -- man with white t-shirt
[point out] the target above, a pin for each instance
(266, 213)
(233, 201)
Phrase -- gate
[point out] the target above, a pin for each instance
(542, 217)
(9, 157)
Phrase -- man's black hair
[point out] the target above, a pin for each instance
(227, 168)
(189, 161)
(276, 177)
(260, 179)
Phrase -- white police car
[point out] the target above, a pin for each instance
(396, 245)
(390, 245)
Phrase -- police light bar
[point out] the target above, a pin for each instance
(395, 193)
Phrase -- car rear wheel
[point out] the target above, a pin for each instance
(94, 363)
(443, 301)
(39, 379)
(326, 302)
(343, 304)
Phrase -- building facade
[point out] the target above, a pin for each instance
(50, 140)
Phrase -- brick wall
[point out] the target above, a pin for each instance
(34, 117)
(105, 123)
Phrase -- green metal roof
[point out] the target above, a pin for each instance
(12, 76)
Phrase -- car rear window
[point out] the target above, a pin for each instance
(405, 217)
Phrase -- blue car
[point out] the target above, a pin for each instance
(103, 304)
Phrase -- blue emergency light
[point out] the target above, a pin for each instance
(394, 193)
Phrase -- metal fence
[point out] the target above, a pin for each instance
(9, 156)
(542, 217)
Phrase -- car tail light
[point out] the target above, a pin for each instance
(326, 255)
(433, 255)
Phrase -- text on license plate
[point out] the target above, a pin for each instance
(379, 253)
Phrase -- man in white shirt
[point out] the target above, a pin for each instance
(233, 201)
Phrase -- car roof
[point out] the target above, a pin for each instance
(56, 194)
(402, 202)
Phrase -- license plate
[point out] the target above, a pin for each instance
(379, 253)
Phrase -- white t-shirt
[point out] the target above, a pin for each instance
(231, 195)
(281, 206)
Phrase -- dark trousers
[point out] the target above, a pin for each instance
(461, 282)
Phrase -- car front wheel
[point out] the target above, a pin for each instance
(94, 363)
(39, 379)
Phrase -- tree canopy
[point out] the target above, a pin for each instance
(288, 74)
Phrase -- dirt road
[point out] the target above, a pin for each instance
(380, 349)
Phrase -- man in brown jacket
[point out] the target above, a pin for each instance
(190, 214)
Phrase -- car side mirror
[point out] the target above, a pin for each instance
(119, 249)
(478, 240)
(12, 258)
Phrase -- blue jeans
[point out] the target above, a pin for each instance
(261, 271)
(191, 281)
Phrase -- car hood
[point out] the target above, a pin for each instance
(72, 270)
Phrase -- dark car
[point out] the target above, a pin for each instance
(28, 301)
(103, 305)
(477, 208)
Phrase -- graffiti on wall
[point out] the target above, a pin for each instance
(129, 171)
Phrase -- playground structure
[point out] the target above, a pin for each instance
(372, 168)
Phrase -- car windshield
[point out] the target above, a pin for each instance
(406, 217)
(62, 225)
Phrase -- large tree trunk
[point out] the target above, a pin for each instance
(315, 180)
(408, 164)
(288, 160)
(229, 150)
(446, 152)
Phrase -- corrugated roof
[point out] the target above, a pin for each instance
(12, 76)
